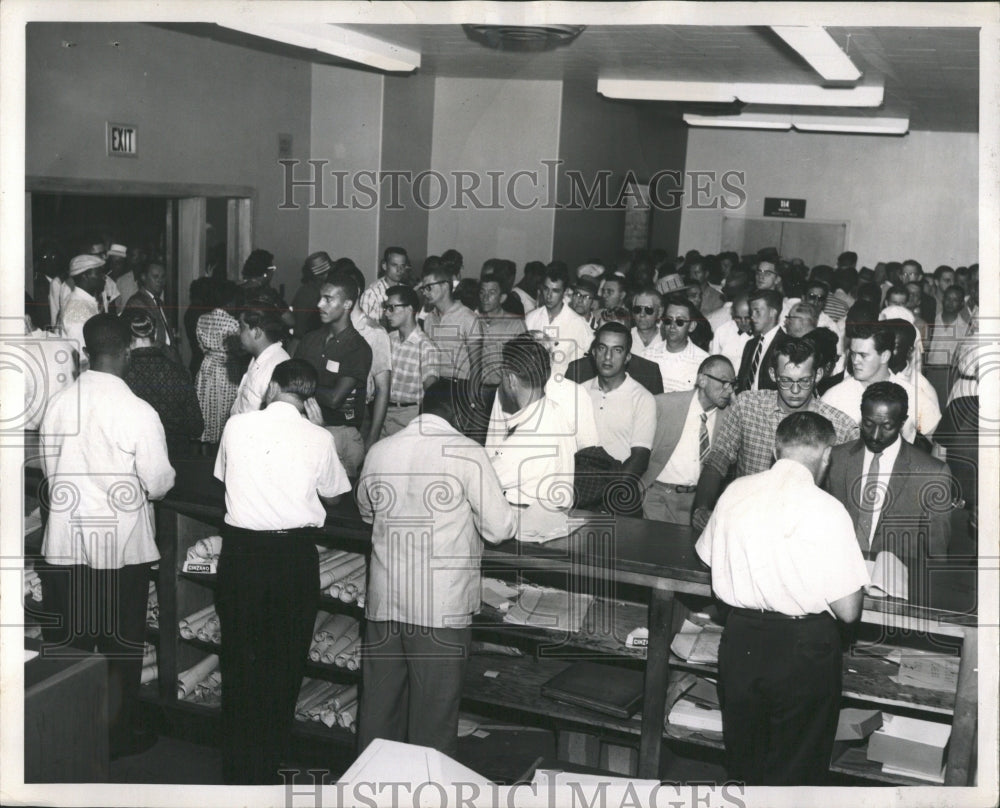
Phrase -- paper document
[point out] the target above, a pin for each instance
(537, 524)
(888, 577)
(498, 594)
(931, 672)
(549, 608)
(696, 643)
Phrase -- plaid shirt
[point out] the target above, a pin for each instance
(413, 360)
(746, 434)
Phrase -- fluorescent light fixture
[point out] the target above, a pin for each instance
(754, 120)
(867, 94)
(804, 123)
(820, 50)
(336, 41)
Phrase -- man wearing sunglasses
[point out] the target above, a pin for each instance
(680, 358)
(647, 308)
(686, 423)
(746, 436)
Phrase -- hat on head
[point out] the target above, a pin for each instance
(590, 271)
(318, 263)
(585, 284)
(82, 263)
(118, 251)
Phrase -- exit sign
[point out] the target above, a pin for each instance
(122, 140)
(784, 208)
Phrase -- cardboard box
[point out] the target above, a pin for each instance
(855, 724)
(910, 743)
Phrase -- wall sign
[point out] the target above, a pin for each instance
(122, 140)
(784, 208)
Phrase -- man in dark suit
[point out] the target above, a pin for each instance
(644, 371)
(686, 424)
(913, 272)
(898, 497)
(765, 315)
(152, 281)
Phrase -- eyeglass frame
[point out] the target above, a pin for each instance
(647, 310)
(391, 307)
(424, 286)
(679, 321)
(727, 382)
(791, 384)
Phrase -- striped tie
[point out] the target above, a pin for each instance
(703, 442)
(755, 364)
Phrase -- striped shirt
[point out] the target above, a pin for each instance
(413, 360)
(746, 434)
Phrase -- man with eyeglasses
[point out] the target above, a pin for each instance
(583, 297)
(680, 358)
(413, 359)
(746, 436)
(570, 332)
(454, 328)
(647, 308)
(686, 423)
(765, 313)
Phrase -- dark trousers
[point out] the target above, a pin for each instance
(103, 610)
(412, 684)
(779, 686)
(266, 597)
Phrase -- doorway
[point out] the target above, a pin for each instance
(814, 242)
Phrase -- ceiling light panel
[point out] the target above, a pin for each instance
(820, 50)
(866, 94)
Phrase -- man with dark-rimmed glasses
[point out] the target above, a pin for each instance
(413, 358)
(746, 436)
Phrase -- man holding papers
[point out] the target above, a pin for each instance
(783, 555)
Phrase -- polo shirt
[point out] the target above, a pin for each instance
(679, 370)
(655, 347)
(333, 356)
(625, 416)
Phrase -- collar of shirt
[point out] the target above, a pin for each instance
(887, 460)
(83, 294)
(525, 414)
(793, 470)
(263, 356)
(283, 410)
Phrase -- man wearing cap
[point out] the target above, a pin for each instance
(120, 276)
(305, 304)
(87, 272)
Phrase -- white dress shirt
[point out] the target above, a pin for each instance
(886, 462)
(256, 379)
(846, 397)
(105, 455)
(684, 465)
(656, 345)
(679, 370)
(720, 317)
(276, 465)
(570, 331)
(777, 542)
(625, 416)
(729, 341)
(768, 339)
(429, 493)
(532, 452)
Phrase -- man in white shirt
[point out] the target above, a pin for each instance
(680, 358)
(685, 426)
(624, 410)
(261, 332)
(871, 348)
(432, 498)
(647, 308)
(529, 440)
(789, 582)
(87, 272)
(104, 454)
(279, 470)
(570, 332)
(731, 336)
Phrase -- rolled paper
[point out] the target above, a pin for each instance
(320, 619)
(188, 680)
(209, 547)
(343, 657)
(312, 694)
(331, 558)
(210, 628)
(340, 570)
(335, 625)
(342, 642)
(189, 625)
(361, 600)
(348, 715)
(319, 649)
(149, 674)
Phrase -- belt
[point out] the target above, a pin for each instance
(760, 614)
(680, 489)
(407, 404)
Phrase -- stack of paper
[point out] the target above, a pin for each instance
(687, 713)
(928, 671)
(549, 608)
(538, 523)
(697, 643)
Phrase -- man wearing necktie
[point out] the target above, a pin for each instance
(898, 496)
(765, 314)
(152, 281)
(685, 424)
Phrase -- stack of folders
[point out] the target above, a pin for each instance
(698, 642)
(698, 708)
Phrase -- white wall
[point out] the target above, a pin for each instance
(904, 197)
(485, 125)
(346, 131)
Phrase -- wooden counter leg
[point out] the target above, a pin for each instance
(966, 719)
(661, 606)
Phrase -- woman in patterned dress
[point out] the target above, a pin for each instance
(216, 391)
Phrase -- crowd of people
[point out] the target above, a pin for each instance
(648, 387)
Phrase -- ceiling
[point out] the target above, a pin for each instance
(932, 74)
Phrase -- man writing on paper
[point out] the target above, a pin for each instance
(789, 582)
(429, 493)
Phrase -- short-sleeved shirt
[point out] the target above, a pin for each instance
(378, 340)
(333, 356)
(625, 416)
(746, 435)
(570, 332)
(924, 412)
(276, 465)
(777, 542)
(452, 333)
(678, 370)
(414, 359)
(254, 383)
(639, 348)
